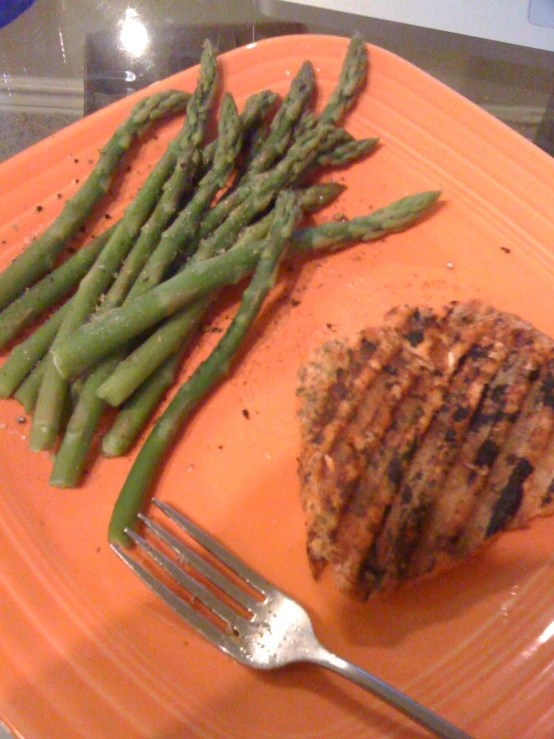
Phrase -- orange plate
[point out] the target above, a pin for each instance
(87, 651)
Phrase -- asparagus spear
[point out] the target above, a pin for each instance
(145, 359)
(185, 225)
(73, 451)
(40, 256)
(137, 411)
(135, 490)
(282, 126)
(27, 393)
(54, 389)
(132, 372)
(350, 83)
(81, 427)
(346, 153)
(335, 235)
(182, 173)
(100, 337)
(255, 196)
(255, 110)
(49, 290)
(26, 355)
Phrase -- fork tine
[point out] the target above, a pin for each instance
(239, 595)
(193, 586)
(199, 622)
(222, 554)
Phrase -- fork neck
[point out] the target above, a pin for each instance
(418, 713)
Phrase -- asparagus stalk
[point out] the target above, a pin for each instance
(133, 371)
(291, 108)
(350, 83)
(27, 393)
(26, 355)
(73, 451)
(136, 488)
(185, 226)
(83, 422)
(81, 427)
(37, 299)
(54, 389)
(139, 408)
(40, 256)
(346, 153)
(201, 280)
(282, 126)
(182, 173)
(335, 235)
(255, 111)
(257, 194)
(98, 338)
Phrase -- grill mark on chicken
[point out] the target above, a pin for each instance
(343, 464)
(331, 465)
(465, 480)
(432, 436)
(538, 496)
(403, 527)
(384, 471)
(503, 494)
(380, 480)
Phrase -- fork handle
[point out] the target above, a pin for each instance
(418, 713)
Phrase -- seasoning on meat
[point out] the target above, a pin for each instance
(422, 440)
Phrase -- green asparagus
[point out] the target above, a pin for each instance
(27, 393)
(185, 226)
(82, 424)
(79, 433)
(282, 126)
(166, 197)
(40, 256)
(255, 111)
(346, 153)
(98, 338)
(139, 408)
(54, 389)
(146, 358)
(37, 299)
(71, 457)
(256, 195)
(136, 488)
(29, 352)
(350, 83)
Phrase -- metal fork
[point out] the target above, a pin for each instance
(257, 625)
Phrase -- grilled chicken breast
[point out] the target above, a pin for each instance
(422, 440)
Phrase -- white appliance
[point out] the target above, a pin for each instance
(528, 23)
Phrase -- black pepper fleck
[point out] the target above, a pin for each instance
(246, 413)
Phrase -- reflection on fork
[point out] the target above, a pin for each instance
(245, 616)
